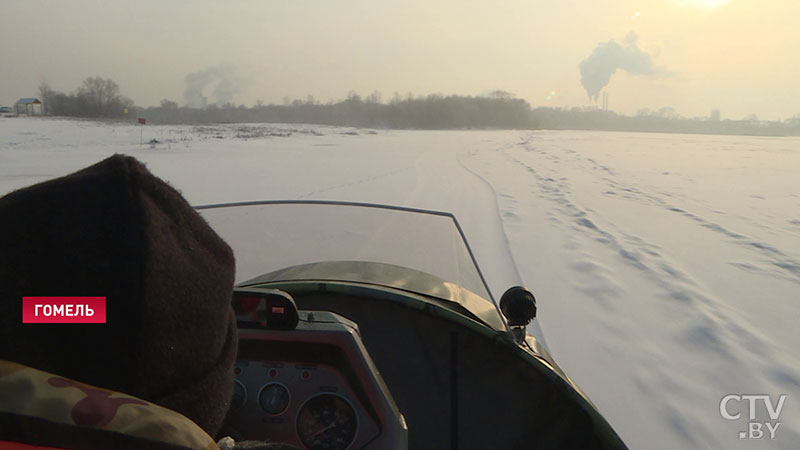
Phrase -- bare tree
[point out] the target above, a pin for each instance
(47, 95)
(169, 105)
(101, 96)
(374, 98)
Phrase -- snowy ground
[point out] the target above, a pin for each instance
(667, 267)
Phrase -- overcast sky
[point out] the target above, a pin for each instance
(739, 56)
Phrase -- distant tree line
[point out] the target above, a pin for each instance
(99, 97)
(95, 97)
(496, 110)
(665, 120)
(431, 112)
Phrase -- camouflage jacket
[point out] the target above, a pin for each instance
(44, 410)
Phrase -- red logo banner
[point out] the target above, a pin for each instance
(63, 310)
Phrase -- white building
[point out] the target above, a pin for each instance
(29, 106)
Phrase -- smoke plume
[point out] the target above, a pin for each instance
(597, 69)
(220, 78)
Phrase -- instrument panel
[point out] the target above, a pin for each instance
(314, 387)
(299, 402)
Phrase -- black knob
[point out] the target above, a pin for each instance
(518, 305)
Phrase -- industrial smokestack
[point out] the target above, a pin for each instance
(220, 77)
(597, 69)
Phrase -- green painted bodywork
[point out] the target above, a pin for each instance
(437, 298)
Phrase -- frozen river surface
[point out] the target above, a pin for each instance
(666, 267)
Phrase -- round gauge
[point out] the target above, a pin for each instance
(327, 422)
(274, 398)
(239, 394)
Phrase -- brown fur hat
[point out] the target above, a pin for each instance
(114, 230)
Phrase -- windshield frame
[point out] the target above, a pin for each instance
(444, 214)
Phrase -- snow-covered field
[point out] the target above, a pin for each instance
(666, 267)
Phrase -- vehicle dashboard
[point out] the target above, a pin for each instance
(314, 386)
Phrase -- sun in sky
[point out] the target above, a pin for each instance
(710, 4)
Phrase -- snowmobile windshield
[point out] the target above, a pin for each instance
(274, 235)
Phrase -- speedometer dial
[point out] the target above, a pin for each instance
(327, 422)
